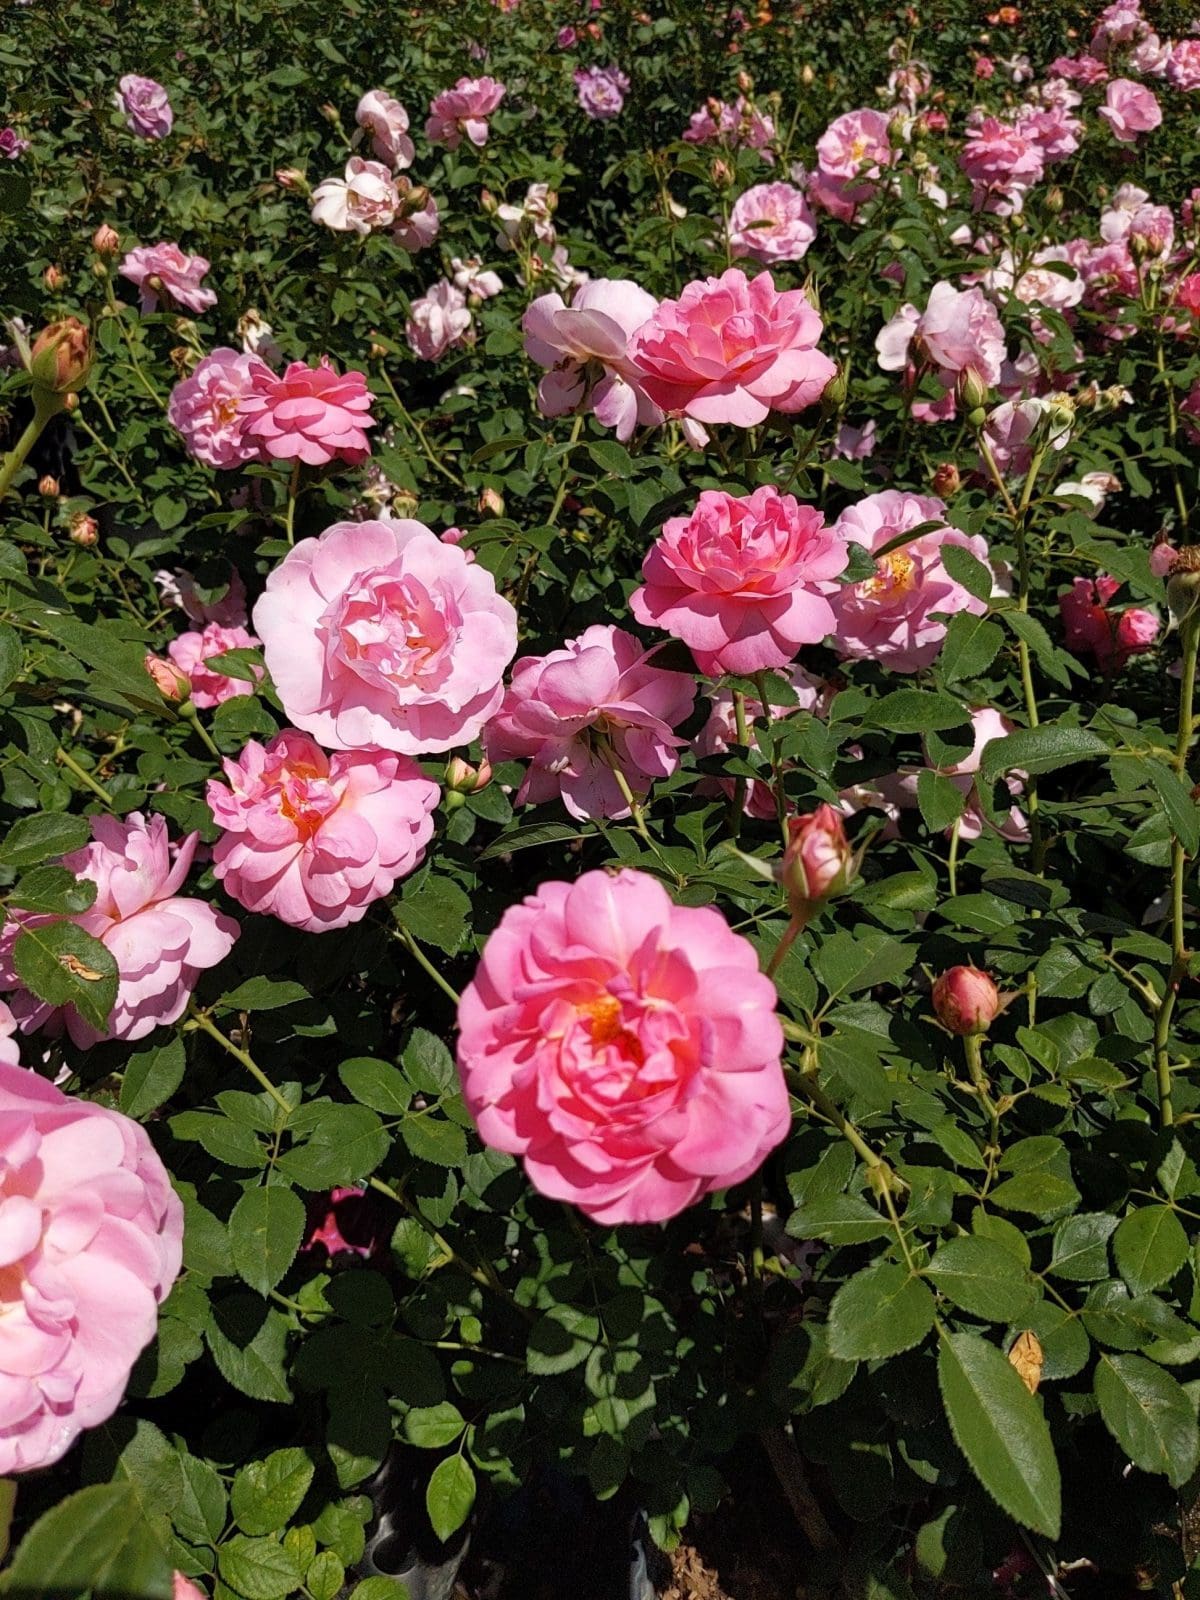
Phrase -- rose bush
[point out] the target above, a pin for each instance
(598, 807)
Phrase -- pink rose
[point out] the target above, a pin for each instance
(476, 282)
(346, 1220)
(1001, 161)
(206, 409)
(957, 332)
(1091, 628)
(856, 145)
(986, 726)
(93, 1241)
(739, 125)
(314, 839)
(601, 91)
(146, 106)
(12, 146)
(840, 197)
(625, 1047)
(162, 270)
(180, 589)
(378, 633)
(418, 223)
(966, 1000)
(1084, 68)
(720, 732)
(855, 444)
(585, 347)
(311, 414)
(742, 581)
(772, 222)
(732, 349)
(1015, 428)
(160, 940)
(183, 1588)
(386, 121)
(364, 199)
(1183, 65)
(890, 618)
(463, 109)
(438, 321)
(191, 653)
(597, 703)
(1130, 109)
(1051, 127)
(818, 863)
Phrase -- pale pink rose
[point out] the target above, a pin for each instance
(163, 271)
(417, 226)
(160, 940)
(1162, 557)
(732, 349)
(1130, 109)
(855, 444)
(1051, 128)
(364, 199)
(738, 125)
(1091, 628)
(310, 414)
(1151, 56)
(206, 409)
(228, 608)
(1083, 68)
(1118, 24)
(1151, 233)
(533, 218)
(601, 91)
(742, 581)
(378, 633)
(438, 321)
(1183, 67)
(463, 110)
(1094, 488)
(146, 106)
(476, 282)
(93, 1240)
(10, 1053)
(1038, 284)
(314, 839)
(986, 725)
(958, 332)
(1117, 217)
(856, 145)
(626, 1048)
(386, 121)
(184, 1589)
(890, 618)
(909, 83)
(584, 346)
(1015, 428)
(191, 653)
(771, 222)
(574, 714)
(1001, 161)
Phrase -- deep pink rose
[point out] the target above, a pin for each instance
(463, 109)
(378, 633)
(164, 271)
(310, 414)
(1001, 161)
(1130, 109)
(597, 703)
(732, 349)
(12, 146)
(160, 940)
(856, 145)
(890, 618)
(742, 581)
(314, 839)
(601, 91)
(438, 321)
(1091, 628)
(206, 409)
(146, 106)
(386, 121)
(627, 1049)
(191, 653)
(772, 222)
(584, 346)
(92, 1235)
(1083, 68)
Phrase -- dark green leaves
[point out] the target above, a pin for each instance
(64, 966)
(880, 1311)
(265, 1231)
(1150, 1246)
(1038, 750)
(35, 839)
(1149, 1415)
(916, 711)
(983, 1278)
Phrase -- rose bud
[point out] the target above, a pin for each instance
(169, 682)
(807, 75)
(84, 530)
(966, 1000)
(54, 278)
(48, 487)
(293, 179)
(491, 503)
(946, 480)
(972, 391)
(818, 862)
(106, 241)
(463, 778)
(61, 356)
(833, 395)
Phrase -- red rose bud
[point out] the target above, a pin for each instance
(61, 356)
(106, 241)
(966, 1000)
(818, 862)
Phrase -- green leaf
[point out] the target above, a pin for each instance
(449, 1496)
(267, 1494)
(941, 800)
(263, 994)
(11, 655)
(839, 1219)
(1182, 811)
(1150, 1246)
(64, 966)
(199, 1515)
(1149, 1415)
(434, 1427)
(998, 1425)
(152, 1076)
(55, 891)
(35, 839)
(325, 1577)
(434, 1139)
(97, 1541)
(530, 835)
(347, 1144)
(249, 1347)
(983, 1278)
(916, 711)
(1038, 750)
(428, 1064)
(967, 569)
(379, 1589)
(436, 912)
(1080, 1252)
(260, 1569)
(972, 644)
(265, 1231)
(376, 1084)
(880, 1311)
(850, 961)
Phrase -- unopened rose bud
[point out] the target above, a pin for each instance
(807, 75)
(1054, 200)
(463, 778)
(745, 82)
(106, 241)
(936, 121)
(833, 395)
(416, 199)
(947, 480)
(331, 113)
(48, 487)
(1059, 413)
(61, 356)
(375, 352)
(54, 278)
(818, 862)
(972, 390)
(168, 680)
(491, 503)
(293, 179)
(721, 173)
(488, 203)
(966, 1000)
(84, 530)
(1183, 582)
(404, 503)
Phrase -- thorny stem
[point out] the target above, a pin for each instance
(201, 1019)
(973, 1045)
(419, 956)
(84, 776)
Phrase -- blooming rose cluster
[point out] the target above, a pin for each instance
(737, 125)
